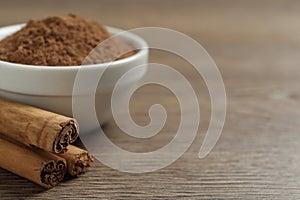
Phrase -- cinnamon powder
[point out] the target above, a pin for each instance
(61, 41)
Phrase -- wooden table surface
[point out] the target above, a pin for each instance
(256, 45)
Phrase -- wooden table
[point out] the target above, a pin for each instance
(256, 46)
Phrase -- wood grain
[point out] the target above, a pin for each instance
(256, 46)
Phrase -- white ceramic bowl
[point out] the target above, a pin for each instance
(51, 88)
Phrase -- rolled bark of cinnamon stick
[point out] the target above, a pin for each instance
(37, 127)
(41, 167)
(78, 160)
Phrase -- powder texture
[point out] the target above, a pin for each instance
(62, 41)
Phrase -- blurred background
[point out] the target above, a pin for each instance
(257, 32)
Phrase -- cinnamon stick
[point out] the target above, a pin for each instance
(78, 160)
(36, 127)
(41, 167)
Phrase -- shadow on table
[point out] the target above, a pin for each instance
(12, 185)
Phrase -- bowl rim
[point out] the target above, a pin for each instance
(114, 31)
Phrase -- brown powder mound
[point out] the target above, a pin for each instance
(61, 41)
